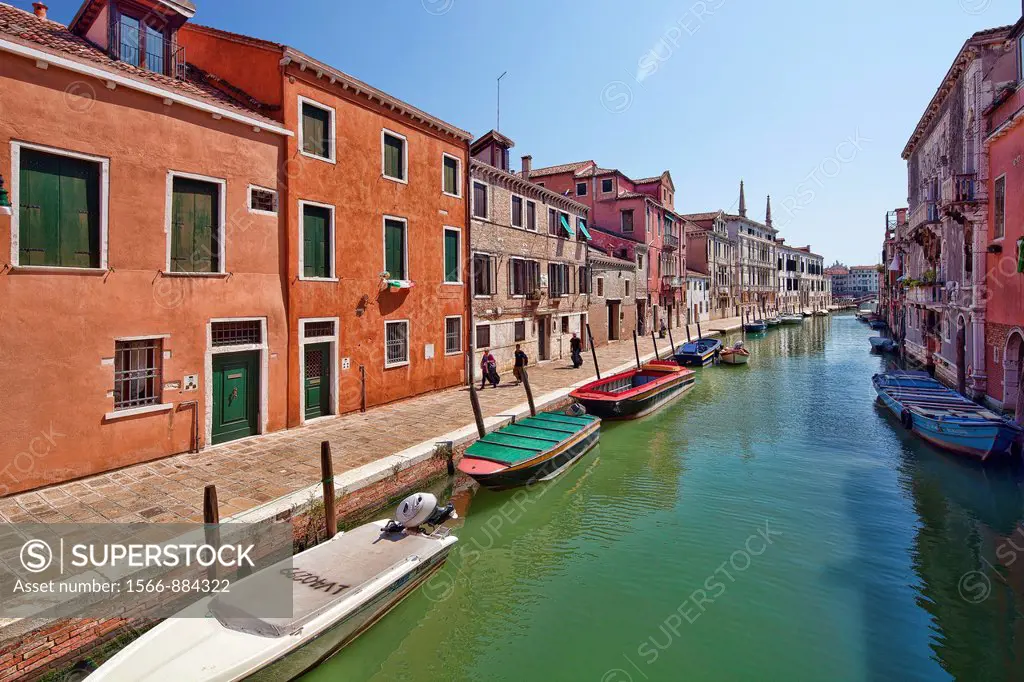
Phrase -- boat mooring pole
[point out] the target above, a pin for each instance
(593, 351)
(327, 477)
(211, 522)
(529, 393)
(700, 334)
(474, 400)
(688, 339)
(655, 342)
(671, 341)
(636, 349)
(362, 388)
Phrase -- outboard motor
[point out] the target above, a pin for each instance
(575, 410)
(419, 509)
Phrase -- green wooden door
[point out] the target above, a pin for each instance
(195, 226)
(318, 380)
(58, 211)
(315, 232)
(236, 382)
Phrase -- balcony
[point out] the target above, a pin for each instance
(672, 282)
(148, 49)
(929, 294)
(926, 212)
(961, 189)
(670, 242)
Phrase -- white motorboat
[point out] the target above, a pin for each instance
(339, 589)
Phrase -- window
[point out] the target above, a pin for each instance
(540, 184)
(196, 229)
(137, 373)
(317, 241)
(583, 274)
(999, 226)
(480, 200)
(316, 133)
(262, 200)
(139, 44)
(395, 159)
(452, 256)
(313, 330)
(58, 203)
(553, 227)
(581, 189)
(565, 324)
(450, 181)
(395, 248)
(558, 279)
(524, 276)
(600, 286)
(453, 335)
(531, 216)
(519, 331)
(627, 288)
(639, 261)
(627, 221)
(606, 185)
(483, 335)
(483, 275)
(517, 211)
(396, 343)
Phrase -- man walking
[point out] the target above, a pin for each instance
(522, 360)
(576, 351)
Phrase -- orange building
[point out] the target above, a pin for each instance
(208, 248)
(373, 197)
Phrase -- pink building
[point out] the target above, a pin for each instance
(642, 211)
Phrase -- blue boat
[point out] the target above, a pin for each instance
(945, 418)
(755, 327)
(699, 353)
(878, 324)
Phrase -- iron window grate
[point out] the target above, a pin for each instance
(236, 333)
(263, 200)
(396, 343)
(453, 335)
(137, 373)
(317, 329)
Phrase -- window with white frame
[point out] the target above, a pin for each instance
(138, 368)
(262, 200)
(316, 130)
(451, 180)
(483, 274)
(396, 254)
(452, 255)
(196, 224)
(394, 150)
(453, 335)
(517, 211)
(396, 343)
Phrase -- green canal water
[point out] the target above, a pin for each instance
(773, 524)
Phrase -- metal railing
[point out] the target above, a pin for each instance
(148, 49)
(670, 242)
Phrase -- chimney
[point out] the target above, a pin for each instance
(40, 9)
(527, 166)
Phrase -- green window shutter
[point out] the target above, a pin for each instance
(195, 226)
(451, 256)
(450, 176)
(393, 157)
(316, 124)
(394, 249)
(316, 252)
(58, 211)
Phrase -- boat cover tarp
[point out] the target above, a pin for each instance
(319, 578)
(528, 438)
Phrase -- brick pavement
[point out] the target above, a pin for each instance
(257, 470)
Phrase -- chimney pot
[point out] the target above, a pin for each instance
(40, 9)
(527, 166)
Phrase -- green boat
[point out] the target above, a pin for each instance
(530, 450)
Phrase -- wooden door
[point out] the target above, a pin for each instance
(236, 384)
(318, 380)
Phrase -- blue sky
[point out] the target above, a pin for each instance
(809, 101)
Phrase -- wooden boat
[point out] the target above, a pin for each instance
(806, 313)
(773, 321)
(699, 353)
(882, 344)
(755, 327)
(737, 355)
(877, 323)
(368, 570)
(636, 393)
(821, 313)
(792, 319)
(532, 449)
(943, 417)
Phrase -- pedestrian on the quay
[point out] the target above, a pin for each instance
(576, 351)
(522, 360)
(488, 370)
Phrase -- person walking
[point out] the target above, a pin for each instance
(576, 351)
(488, 370)
(522, 360)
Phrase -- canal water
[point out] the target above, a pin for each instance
(773, 524)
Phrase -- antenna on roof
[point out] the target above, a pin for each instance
(498, 126)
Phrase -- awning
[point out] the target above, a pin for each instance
(566, 226)
(583, 228)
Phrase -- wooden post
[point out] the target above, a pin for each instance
(529, 393)
(671, 341)
(593, 351)
(655, 342)
(636, 349)
(362, 388)
(700, 334)
(327, 476)
(688, 339)
(474, 399)
(211, 521)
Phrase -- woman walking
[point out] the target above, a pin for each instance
(488, 370)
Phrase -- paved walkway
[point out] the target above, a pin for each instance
(255, 471)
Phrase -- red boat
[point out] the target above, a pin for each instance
(636, 393)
